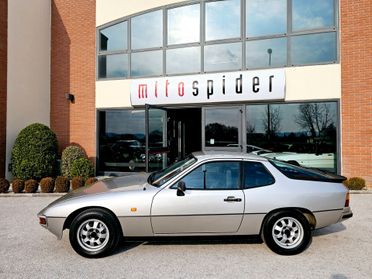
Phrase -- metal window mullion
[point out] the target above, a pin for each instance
(165, 38)
(243, 31)
(202, 34)
(289, 32)
(129, 38)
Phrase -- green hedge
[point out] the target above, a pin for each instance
(34, 153)
(69, 155)
(82, 167)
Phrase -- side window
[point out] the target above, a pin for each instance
(214, 176)
(256, 175)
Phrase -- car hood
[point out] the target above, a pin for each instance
(132, 182)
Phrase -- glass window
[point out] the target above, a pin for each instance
(122, 140)
(266, 17)
(183, 60)
(266, 53)
(148, 63)
(216, 175)
(114, 37)
(222, 19)
(113, 66)
(256, 175)
(147, 30)
(301, 134)
(312, 49)
(184, 24)
(296, 172)
(312, 14)
(223, 57)
(222, 127)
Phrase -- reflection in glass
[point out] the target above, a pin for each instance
(157, 118)
(222, 19)
(315, 48)
(114, 37)
(312, 14)
(183, 60)
(147, 30)
(184, 24)
(303, 134)
(148, 63)
(223, 57)
(122, 140)
(266, 17)
(266, 53)
(112, 66)
(222, 127)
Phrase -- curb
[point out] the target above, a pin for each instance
(360, 191)
(27, 195)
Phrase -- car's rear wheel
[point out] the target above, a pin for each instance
(287, 232)
(94, 233)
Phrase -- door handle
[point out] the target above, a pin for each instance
(232, 199)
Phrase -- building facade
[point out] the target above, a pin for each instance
(153, 81)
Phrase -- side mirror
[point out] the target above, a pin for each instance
(181, 188)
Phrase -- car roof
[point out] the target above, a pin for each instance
(203, 155)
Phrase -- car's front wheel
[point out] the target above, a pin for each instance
(94, 233)
(287, 232)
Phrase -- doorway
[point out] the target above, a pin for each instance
(171, 134)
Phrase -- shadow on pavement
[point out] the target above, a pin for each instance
(330, 229)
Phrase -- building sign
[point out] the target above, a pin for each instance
(209, 88)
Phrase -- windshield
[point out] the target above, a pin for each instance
(158, 178)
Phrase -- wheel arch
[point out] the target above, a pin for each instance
(75, 213)
(305, 212)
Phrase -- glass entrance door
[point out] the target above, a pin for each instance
(155, 138)
(223, 128)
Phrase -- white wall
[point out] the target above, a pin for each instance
(28, 78)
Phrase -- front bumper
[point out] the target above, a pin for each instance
(346, 213)
(53, 224)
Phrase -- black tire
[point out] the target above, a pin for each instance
(292, 233)
(94, 233)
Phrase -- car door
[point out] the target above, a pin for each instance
(213, 201)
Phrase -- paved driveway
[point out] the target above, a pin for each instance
(29, 251)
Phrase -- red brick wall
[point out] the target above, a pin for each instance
(73, 71)
(3, 83)
(356, 72)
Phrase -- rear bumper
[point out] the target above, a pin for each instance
(346, 213)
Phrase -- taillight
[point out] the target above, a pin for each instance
(347, 201)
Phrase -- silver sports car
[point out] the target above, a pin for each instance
(206, 194)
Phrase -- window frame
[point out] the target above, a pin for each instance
(202, 42)
(258, 186)
(173, 185)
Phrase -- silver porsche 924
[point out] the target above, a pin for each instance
(206, 194)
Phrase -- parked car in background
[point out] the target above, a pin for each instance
(206, 194)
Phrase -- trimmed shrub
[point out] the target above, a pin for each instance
(62, 184)
(90, 181)
(47, 185)
(69, 155)
(82, 167)
(77, 182)
(4, 185)
(34, 153)
(31, 186)
(355, 183)
(18, 185)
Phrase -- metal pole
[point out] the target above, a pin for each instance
(147, 136)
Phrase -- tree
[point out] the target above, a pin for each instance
(271, 121)
(315, 118)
